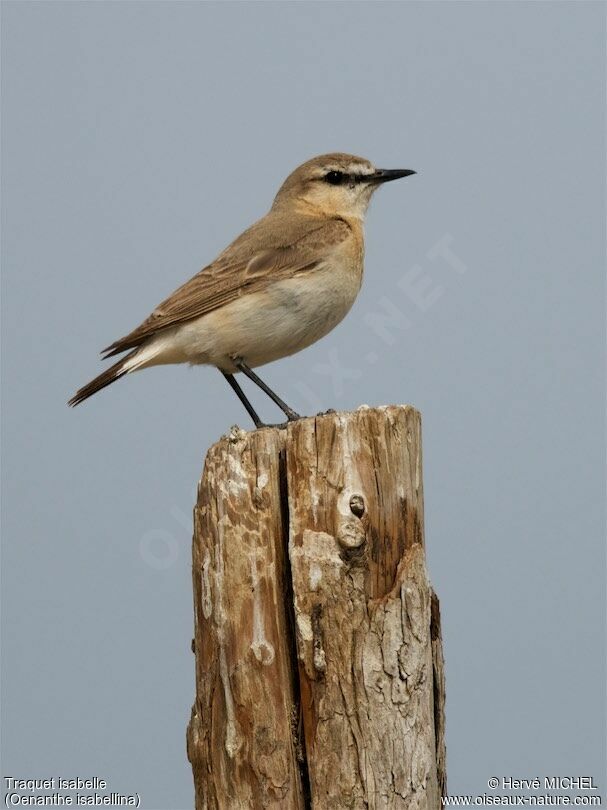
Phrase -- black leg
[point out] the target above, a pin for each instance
(240, 394)
(289, 412)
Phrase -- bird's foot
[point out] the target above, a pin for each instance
(279, 425)
(292, 416)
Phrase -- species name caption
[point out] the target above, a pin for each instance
(59, 791)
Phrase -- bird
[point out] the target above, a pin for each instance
(280, 286)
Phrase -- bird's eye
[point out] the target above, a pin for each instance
(335, 178)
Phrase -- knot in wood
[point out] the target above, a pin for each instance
(351, 534)
(357, 505)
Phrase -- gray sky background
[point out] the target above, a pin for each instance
(138, 139)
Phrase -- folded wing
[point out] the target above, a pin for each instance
(275, 248)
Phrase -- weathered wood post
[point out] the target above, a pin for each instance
(319, 672)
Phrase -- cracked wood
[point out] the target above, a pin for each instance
(319, 668)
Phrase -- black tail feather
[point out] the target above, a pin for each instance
(109, 376)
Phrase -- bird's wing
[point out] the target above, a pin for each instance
(274, 248)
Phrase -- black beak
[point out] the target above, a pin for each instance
(385, 175)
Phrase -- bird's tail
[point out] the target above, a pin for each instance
(109, 376)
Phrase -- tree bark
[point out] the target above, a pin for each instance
(319, 671)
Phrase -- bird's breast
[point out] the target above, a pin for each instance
(318, 300)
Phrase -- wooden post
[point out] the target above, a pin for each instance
(319, 671)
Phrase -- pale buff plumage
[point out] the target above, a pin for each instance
(280, 286)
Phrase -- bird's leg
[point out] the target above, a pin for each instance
(289, 412)
(241, 396)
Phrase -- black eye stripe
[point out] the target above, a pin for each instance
(337, 178)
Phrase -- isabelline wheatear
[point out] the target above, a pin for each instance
(280, 286)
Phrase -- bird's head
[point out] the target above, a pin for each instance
(336, 185)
